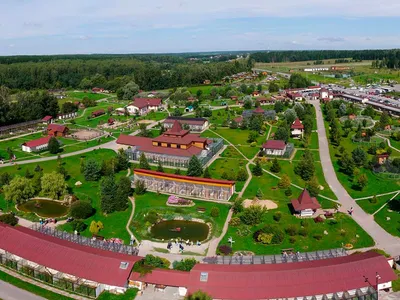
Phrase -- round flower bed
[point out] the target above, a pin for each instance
(348, 246)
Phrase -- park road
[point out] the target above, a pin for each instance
(383, 240)
(10, 292)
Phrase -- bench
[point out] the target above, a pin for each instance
(201, 209)
(288, 250)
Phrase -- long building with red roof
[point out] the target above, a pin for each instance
(188, 186)
(333, 278)
(37, 145)
(174, 147)
(142, 106)
(62, 259)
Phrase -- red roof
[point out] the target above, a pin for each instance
(38, 142)
(238, 119)
(176, 129)
(184, 120)
(173, 176)
(297, 124)
(278, 281)
(146, 145)
(145, 102)
(305, 201)
(56, 127)
(98, 112)
(258, 110)
(47, 118)
(275, 145)
(81, 261)
(164, 277)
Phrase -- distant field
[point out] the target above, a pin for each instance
(81, 95)
(205, 88)
(308, 64)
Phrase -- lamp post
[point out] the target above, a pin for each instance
(377, 277)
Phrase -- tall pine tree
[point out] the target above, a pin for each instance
(143, 163)
(195, 168)
(108, 189)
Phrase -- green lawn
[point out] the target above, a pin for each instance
(230, 167)
(231, 153)
(344, 231)
(220, 115)
(249, 151)
(238, 137)
(129, 294)
(92, 96)
(15, 145)
(300, 153)
(34, 289)
(370, 207)
(157, 202)
(204, 88)
(314, 141)
(114, 224)
(389, 217)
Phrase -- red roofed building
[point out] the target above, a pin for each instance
(57, 130)
(197, 187)
(274, 147)
(36, 145)
(258, 111)
(98, 113)
(297, 129)
(174, 147)
(143, 106)
(97, 90)
(57, 259)
(47, 119)
(296, 96)
(194, 124)
(255, 93)
(305, 205)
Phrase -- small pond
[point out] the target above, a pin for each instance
(186, 230)
(44, 208)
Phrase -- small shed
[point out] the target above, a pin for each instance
(305, 205)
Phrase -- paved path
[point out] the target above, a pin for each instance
(382, 239)
(212, 248)
(10, 292)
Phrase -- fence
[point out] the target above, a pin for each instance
(104, 245)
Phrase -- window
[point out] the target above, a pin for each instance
(204, 276)
(178, 146)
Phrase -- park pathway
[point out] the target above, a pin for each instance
(383, 240)
(212, 248)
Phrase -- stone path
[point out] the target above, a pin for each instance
(212, 249)
(382, 239)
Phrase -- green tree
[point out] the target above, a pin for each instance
(92, 170)
(346, 163)
(53, 146)
(214, 212)
(334, 132)
(253, 135)
(108, 188)
(282, 133)
(305, 168)
(195, 169)
(252, 215)
(241, 175)
(122, 160)
(5, 178)
(206, 173)
(129, 90)
(140, 187)
(273, 87)
(384, 119)
(199, 295)
(53, 185)
(257, 169)
(177, 171)
(313, 186)
(290, 115)
(279, 106)
(284, 182)
(362, 181)
(81, 210)
(143, 163)
(124, 190)
(18, 190)
(185, 264)
(359, 156)
(275, 167)
(28, 174)
(9, 219)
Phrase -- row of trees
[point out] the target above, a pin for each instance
(299, 55)
(25, 106)
(113, 73)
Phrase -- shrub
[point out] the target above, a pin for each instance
(317, 236)
(214, 212)
(277, 216)
(9, 219)
(179, 210)
(304, 223)
(292, 240)
(237, 206)
(288, 192)
(81, 210)
(252, 215)
(253, 144)
(318, 220)
(184, 265)
(78, 225)
(303, 232)
(373, 200)
(278, 234)
(265, 238)
(140, 187)
(151, 217)
(235, 221)
(291, 230)
(225, 249)
(332, 222)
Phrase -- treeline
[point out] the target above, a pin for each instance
(149, 75)
(391, 61)
(26, 106)
(293, 56)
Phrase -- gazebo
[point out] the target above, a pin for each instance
(305, 205)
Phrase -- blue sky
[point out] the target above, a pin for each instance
(156, 26)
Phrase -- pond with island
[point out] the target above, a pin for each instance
(174, 229)
(44, 208)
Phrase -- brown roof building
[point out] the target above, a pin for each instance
(57, 130)
(305, 205)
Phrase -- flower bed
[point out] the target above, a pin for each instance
(177, 201)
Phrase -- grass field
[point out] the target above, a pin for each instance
(15, 145)
(369, 207)
(92, 96)
(389, 220)
(204, 88)
(157, 202)
(230, 167)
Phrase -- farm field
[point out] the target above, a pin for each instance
(91, 96)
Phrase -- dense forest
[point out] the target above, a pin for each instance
(150, 72)
(293, 56)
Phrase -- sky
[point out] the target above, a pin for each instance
(170, 26)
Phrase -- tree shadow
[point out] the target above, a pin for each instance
(394, 205)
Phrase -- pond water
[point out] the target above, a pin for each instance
(44, 208)
(186, 230)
